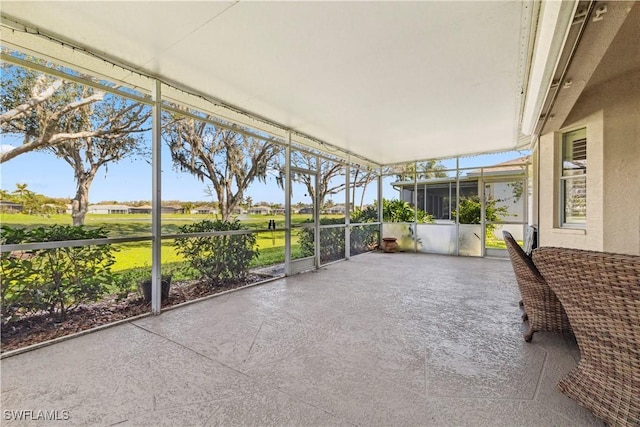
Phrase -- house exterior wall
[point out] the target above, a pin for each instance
(622, 166)
(96, 210)
(611, 113)
(534, 217)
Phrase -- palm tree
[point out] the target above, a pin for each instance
(249, 202)
(21, 190)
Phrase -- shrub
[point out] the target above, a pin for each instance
(392, 211)
(55, 280)
(332, 240)
(401, 211)
(364, 238)
(471, 208)
(220, 258)
(368, 214)
(129, 280)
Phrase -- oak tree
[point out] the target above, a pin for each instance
(228, 161)
(86, 127)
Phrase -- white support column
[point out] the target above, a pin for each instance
(380, 216)
(347, 210)
(483, 212)
(415, 207)
(457, 206)
(316, 210)
(156, 199)
(287, 206)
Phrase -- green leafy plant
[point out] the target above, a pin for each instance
(367, 214)
(364, 238)
(332, 240)
(56, 280)
(392, 211)
(471, 211)
(401, 211)
(220, 258)
(128, 281)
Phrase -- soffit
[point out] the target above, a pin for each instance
(623, 55)
(390, 81)
(607, 48)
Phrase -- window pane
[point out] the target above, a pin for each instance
(364, 238)
(575, 200)
(364, 193)
(574, 153)
(331, 191)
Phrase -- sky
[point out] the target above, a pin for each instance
(127, 180)
(130, 179)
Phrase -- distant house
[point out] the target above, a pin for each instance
(337, 209)
(145, 209)
(509, 168)
(205, 210)
(108, 209)
(10, 207)
(437, 196)
(306, 211)
(260, 210)
(280, 211)
(172, 209)
(53, 208)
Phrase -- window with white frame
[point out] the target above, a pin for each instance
(573, 179)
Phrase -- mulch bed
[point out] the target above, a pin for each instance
(35, 329)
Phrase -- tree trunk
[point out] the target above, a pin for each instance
(364, 189)
(80, 203)
(222, 202)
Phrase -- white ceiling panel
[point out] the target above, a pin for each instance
(390, 81)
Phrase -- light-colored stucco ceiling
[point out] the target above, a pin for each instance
(389, 81)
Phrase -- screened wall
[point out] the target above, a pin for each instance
(159, 191)
(125, 199)
(454, 207)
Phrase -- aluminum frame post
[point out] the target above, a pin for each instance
(287, 207)
(380, 213)
(316, 210)
(156, 199)
(457, 206)
(483, 213)
(415, 207)
(347, 211)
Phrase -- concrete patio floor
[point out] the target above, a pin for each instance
(382, 339)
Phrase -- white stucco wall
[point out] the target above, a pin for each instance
(611, 114)
(622, 165)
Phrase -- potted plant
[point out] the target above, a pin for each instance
(389, 244)
(145, 287)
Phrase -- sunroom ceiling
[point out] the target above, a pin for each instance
(389, 81)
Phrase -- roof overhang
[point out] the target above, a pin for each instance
(602, 44)
(387, 81)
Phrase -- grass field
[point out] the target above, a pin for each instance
(136, 255)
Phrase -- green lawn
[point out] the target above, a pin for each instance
(136, 255)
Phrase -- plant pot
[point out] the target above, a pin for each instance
(390, 244)
(145, 286)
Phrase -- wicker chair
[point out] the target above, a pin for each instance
(601, 293)
(542, 307)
